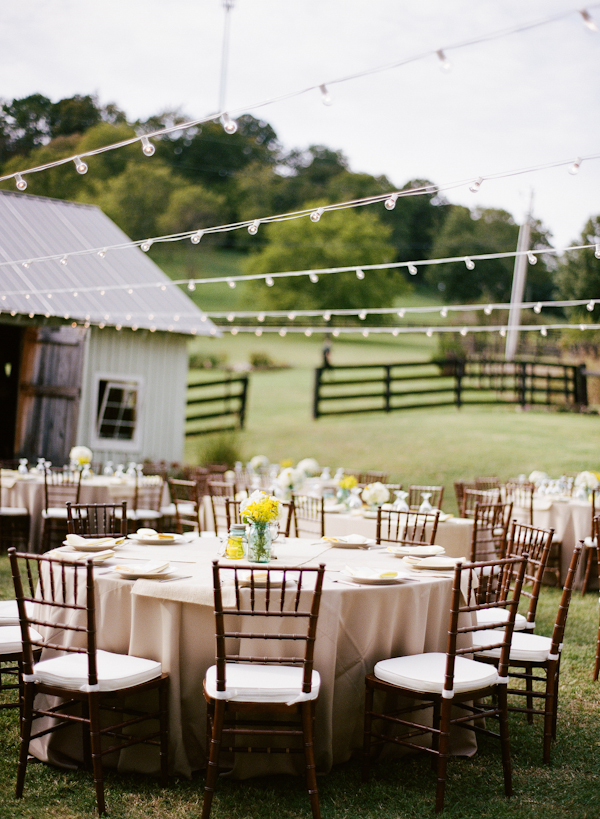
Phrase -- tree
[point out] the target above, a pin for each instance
(340, 238)
(74, 115)
(192, 207)
(466, 233)
(24, 125)
(578, 273)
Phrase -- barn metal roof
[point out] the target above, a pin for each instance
(33, 227)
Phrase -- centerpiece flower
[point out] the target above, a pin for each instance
(258, 462)
(588, 480)
(374, 494)
(309, 466)
(289, 479)
(80, 455)
(258, 511)
(345, 484)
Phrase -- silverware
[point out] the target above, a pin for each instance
(168, 579)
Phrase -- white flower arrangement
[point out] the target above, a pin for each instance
(537, 477)
(289, 477)
(375, 493)
(81, 455)
(588, 480)
(259, 462)
(309, 466)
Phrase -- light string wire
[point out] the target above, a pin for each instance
(22, 185)
(325, 271)
(395, 331)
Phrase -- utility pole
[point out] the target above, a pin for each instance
(228, 6)
(518, 286)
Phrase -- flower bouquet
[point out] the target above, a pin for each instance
(345, 484)
(374, 494)
(80, 455)
(258, 511)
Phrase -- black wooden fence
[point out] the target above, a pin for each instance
(418, 385)
(224, 401)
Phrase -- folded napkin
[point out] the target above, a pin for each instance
(349, 539)
(435, 563)
(152, 567)
(367, 572)
(66, 553)
(418, 552)
(76, 541)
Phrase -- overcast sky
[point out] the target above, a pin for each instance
(510, 103)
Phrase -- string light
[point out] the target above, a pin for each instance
(196, 237)
(429, 332)
(283, 332)
(20, 182)
(316, 214)
(531, 257)
(503, 332)
(588, 20)
(362, 315)
(401, 313)
(390, 203)
(543, 331)
(470, 264)
(488, 310)
(537, 307)
(365, 333)
(446, 65)
(25, 264)
(80, 166)
(253, 228)
(261, 316)
(444, 312)
(464, 331)
(474, 187)
(258, 332)
(291, 316)
(412, 270)
(64, 260)
(314, 278)
(360, 274)
(145, 246)
(327, 316)
(101, 253)
(590, 305)
(308, 333)
(597, 251)
(230, 126)
(325, 95)
(191, 285)
(148, 148)
(575, 166)
(231, 317)
(269, 281)
(231, 283)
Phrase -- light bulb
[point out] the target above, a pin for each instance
(261, 317)
(234, 331)
(390, 203)
(597, 251)
(146, 245)
(327, 316)
(325, 95)
(80, 166)
(543, 331)
(588, 20)
(102, 325)
(64, 260)
(269, 281)
(412, 270)
(537, 308)
(163, 287)
(503, 331)
(258, 332)
(130, 291)
(336, 333)
(360, 274)
(314, 278)
(362, 315)
(531, 258)
(231, 283)
(590, 305)
(191, 285)
(365, 333)
(195, 237)
(474, 187)
(470, 264)
(575, 166)
(395, 331)
(27, 296)
(102, 253)
(400, 313)
(464, 331)
(429, 332)
(446, 65)
(147, 147)
(25, 264)
(229, 125)
(488, 310)
(444, 312)
(20, 182)
(291, 316)
(231, 317)
(282, 332)
(253, 228)
(308, 332)
(316, 214)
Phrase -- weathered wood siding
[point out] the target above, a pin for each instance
(160, 360)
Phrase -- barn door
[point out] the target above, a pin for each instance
(49, 392)
(10, 359)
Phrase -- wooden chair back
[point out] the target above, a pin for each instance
(480, 496)
(487, 483)
(266, 616)
(97, 519)
(60, 485)
(406, 528)
(148, 492)
(459, 492)
(415, 496)
(536, 543)
(371, 476)
(308, 515)
(186, 498)
(490, 530)
(520, 494)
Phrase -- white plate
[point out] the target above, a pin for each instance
(156, 540)
(260, 579)
(95, 546)
(434, 564)
(363, 543)
(335, 507)
(371, 580)
(416, 551)
(141, 572)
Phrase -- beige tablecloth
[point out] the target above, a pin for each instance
(358, 625)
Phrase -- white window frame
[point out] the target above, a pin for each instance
(114, 379)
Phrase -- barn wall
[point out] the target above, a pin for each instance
(160, 360)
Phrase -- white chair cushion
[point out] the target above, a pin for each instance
(532, 647)
(261, 683)
(426, 673)
(55, 512)
(115, 671)
(10, 639)
(9, 613)
(168, 511)
(589, 542)
(13, 511)
(486, 617)
(143, 514)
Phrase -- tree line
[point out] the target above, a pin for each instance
(201, 177)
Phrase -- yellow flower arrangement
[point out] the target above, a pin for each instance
(259, 508)
(286, 463)
(348, 482)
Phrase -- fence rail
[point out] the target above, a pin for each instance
(226, 398)
(350, 389)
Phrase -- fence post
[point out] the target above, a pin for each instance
(388, 387)
(522, 384)
(243, 399)
(459, 371)
(317, 391)
(580, 385)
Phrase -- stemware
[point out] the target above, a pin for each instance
(22, 469)
(425, 505)
(400, 504)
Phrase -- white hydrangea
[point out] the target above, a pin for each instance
(587, 480)
(375, 493)
(309, 466)
(80, 454)
(259, 462)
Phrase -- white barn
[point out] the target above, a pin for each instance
(93, 343)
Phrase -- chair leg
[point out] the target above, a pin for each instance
(366, 758)
(589, 559)
(26, 722)
(597, 664)
(95, 743)
(504, 740)
(163, 704)
(550, 707)
(212, 769)
(529, 689)
(308, 711)
(443, 752)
